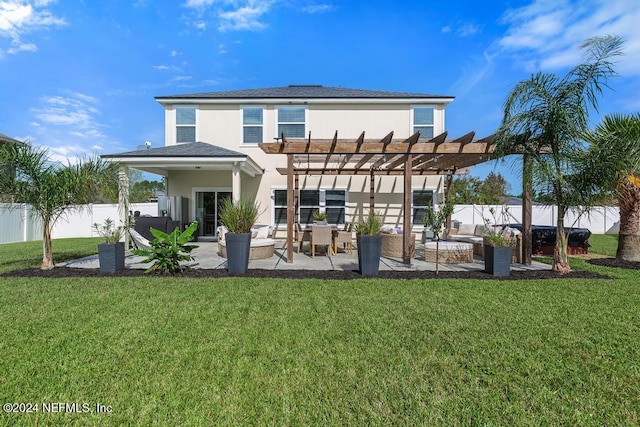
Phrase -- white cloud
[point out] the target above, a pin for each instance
(75, 113)
(318, 8)
(467, 29)
(244, 18)
(20, 17)
(478, 70)
(547, 34)
(23, 47)
(461, 29)
(232, 15)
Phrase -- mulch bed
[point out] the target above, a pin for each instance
(612, 262)
(66, 272)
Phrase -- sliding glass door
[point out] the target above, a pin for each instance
(208, 204)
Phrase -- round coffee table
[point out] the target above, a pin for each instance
(450, 252)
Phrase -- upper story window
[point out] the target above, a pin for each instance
(185, 124)
(423, 121)
(291, 122)
(252, 125)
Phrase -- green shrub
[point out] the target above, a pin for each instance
(168, 251)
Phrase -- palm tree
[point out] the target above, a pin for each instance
(612, 166)
(52, 189)
(545, 118)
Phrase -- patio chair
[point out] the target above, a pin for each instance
(344, 237)
(303, 236)
(321, 235)
(139, 241)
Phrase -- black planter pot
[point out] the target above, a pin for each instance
(238, 247)
(111, 257)
(369, 248)
(497, 260)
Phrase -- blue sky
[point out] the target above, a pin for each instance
(81, 76)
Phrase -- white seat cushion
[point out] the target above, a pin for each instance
(466, 229)
(263, 233)
(255, 243)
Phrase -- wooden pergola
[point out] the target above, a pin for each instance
(379, 157)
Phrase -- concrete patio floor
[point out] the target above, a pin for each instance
(206, 256)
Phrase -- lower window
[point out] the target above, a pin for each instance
(332, 202)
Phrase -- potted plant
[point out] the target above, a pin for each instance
(319, 217)
(497, 252)
(435, 221)
(369, 241)
(238, 217)
(111, 252)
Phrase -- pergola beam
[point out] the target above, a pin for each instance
(364, 171)
(394, 147)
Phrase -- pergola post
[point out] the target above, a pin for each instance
(406, 220)
(527, 235)
(447, 192)
(123, 199)
(372, 191)
(290, 208)
(296, 203)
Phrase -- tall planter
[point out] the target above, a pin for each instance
(111, 257)
(497, 260)
(238, 248)
(369, 249)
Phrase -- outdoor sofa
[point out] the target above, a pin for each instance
(392, 242)
(474, 234)
(262, 244)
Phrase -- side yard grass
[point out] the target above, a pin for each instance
(169, 351)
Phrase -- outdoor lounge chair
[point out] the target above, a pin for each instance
(139, 241)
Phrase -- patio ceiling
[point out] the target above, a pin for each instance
(386, 156)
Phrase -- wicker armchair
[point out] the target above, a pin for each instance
(344, 237)
(392, 245)
(321, 235)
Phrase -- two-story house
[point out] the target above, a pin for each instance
(212, 151)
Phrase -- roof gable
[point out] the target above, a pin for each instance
(304, 92)
(193, 149)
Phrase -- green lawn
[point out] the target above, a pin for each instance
(169, 351)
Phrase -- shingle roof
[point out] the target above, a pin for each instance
(5, 138)
(302, 91)
(194, 149)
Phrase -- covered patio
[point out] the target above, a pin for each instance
(375, 157)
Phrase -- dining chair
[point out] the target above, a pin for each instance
(344, 237)
(321, 235)
(303, 236)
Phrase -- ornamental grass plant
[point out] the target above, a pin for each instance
(239, 216)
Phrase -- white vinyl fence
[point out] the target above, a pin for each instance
(18, 225)
(600, 220)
